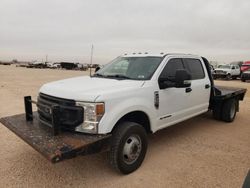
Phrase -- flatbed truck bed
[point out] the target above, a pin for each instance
(223, 92)
(63, 146)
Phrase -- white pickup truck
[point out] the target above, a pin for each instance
(227, 71)
(120, 104)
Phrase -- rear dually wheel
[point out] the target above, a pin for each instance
(229, 110)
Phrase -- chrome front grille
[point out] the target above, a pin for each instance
(219, 72)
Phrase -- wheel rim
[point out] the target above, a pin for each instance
(132, 149)
(232, 111)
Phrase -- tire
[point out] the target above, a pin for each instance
(228, 77)
(229, 109)
(243, 80)
(234, 77)
(128, 138)
(217, 113)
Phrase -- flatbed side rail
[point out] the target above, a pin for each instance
(28, 108)
(223, 92)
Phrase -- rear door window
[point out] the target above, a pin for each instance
(194, 66)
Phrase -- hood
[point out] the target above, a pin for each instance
(87, 88)
(218, 69)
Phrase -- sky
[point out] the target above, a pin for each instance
(65, 30)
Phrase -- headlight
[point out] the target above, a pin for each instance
(93, 113)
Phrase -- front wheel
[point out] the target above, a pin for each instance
(234, 77)
(228, 77)
(128, 147)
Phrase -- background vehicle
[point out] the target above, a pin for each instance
(53, 65)
(119, 105)
(212, 69)
(37, 64)
(227, 71)
(245, 69)
(82, 67)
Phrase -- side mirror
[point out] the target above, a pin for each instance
(165, 83)
(97, 69)
(180, 81)
(181, 78)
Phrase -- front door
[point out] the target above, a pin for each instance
(173, 102)
(178, 104)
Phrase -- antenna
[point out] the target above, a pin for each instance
(46, 61)
(91, 59)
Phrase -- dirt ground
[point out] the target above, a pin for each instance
(200, 152)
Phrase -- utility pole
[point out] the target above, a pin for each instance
(91, 58)
(46, 58)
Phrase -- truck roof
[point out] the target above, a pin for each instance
(162, 54)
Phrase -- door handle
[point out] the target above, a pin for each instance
(188, 90)
(207, 86)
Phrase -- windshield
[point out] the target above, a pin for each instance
(245, 65)
(136, 68)
(224, 66)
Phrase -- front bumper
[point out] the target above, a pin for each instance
(245, 76)
(219, 75)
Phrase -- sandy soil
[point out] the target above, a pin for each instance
(200, 152)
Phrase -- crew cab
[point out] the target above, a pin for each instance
(114, 109)
(227, 71)
(245, 71)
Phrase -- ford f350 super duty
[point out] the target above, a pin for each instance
(227, 71)
(114, 109)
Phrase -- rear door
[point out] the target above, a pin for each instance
(233, 70)
(178, 104)
(237, 69)
(198, 100)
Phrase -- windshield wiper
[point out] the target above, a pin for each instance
(118, 76)
(98, 75)
(111, 76)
